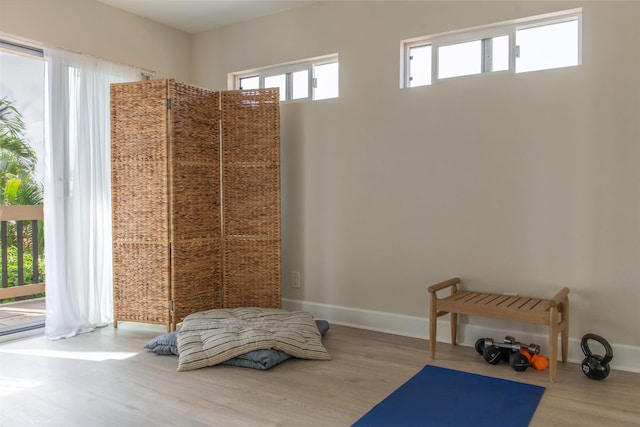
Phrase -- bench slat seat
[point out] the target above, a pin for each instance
(530, 310)
(552, 312)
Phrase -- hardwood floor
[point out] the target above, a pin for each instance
(106, 378)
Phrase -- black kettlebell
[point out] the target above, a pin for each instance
(595, 366)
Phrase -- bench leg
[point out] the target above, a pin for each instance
(454, 328)
(553, 343)
(433, 319)
(564, 317)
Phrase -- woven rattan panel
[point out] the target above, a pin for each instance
(251, 198)
(196, 261)
(140, 199)
(252, 272)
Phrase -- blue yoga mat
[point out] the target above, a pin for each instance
(437, 397)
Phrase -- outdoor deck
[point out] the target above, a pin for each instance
(21, 273)
(22, 313)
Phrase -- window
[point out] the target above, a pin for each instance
(315, 79)
(279, 81)
(497, 53)
(251, 82)
(547, 46)
(325, 80)
(300, 80)
(419, 65)
(461, 59)
(530, 44)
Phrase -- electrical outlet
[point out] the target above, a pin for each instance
(295, 279)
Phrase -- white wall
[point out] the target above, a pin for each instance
(93, 28)
(522, 183)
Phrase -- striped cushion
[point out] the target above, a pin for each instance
(211, 337)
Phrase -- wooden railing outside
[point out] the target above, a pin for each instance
(21, 215)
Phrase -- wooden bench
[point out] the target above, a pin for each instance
(552, 312)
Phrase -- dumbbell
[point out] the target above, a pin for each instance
(518, 361)
(510, 350)
(491, 353)
(512, 345)
(538, 361)
(506, 354)
(481, 344)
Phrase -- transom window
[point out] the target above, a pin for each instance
(315, 79)
(536, 43)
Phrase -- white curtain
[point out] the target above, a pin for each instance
(77, 191)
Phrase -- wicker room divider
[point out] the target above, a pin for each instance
(173, 254)
(251, 198)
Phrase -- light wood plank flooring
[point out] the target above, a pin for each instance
(106, 378)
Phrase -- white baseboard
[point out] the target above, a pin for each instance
(626, 358)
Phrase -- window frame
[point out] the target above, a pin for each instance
(482, 33)
(287, 69)
(18, 48)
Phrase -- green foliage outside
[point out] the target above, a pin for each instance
(12, 268)
(17, 160)
(17, 170)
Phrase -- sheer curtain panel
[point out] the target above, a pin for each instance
(77, 196)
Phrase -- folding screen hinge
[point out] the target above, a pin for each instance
(168, 103)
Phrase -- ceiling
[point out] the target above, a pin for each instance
(194, 16)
